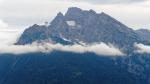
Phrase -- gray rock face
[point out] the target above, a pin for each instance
(32, 34)
(81, 25)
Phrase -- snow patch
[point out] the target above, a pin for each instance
(65, 39)
(71, 23)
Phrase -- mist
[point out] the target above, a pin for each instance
(99, 49)
(141, 48)
(27, 12)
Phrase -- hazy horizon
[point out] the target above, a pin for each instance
(24, 13)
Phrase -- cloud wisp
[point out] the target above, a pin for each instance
(3, 24)
(141, 48)
(99, 49)
(8, 35)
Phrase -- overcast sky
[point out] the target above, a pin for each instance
(23, 13)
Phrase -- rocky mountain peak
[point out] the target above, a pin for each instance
(92, 11)
(60, 14)
(59, 17)
(87, 26)
(72, 10)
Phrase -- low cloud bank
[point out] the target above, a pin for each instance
(99, 49)
(141, 48)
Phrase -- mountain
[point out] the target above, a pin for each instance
(144, 33)
(79, 25)
(72, 68)
(60, 67)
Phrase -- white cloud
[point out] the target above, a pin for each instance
(8, 35)
(99, 49)
(3, 24)
(141, 48)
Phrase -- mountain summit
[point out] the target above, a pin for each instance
(79, 25)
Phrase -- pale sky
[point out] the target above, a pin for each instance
(24, 13)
